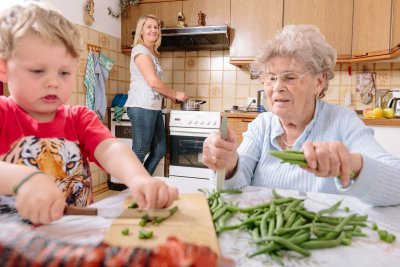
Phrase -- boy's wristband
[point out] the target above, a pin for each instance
(26, 178)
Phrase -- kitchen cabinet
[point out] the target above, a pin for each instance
(333, 18)
(216, 12)
(166, 11)
(371, 27)
(386, 136)
(239, 126)
(252, 23)
(395, 42)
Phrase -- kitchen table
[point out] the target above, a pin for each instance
(364, 251)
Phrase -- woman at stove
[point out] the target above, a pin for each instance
(296, 66)
(146, 92)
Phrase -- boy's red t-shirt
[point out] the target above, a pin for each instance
(61, 148)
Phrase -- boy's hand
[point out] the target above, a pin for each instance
(40, 200)
(151, 193)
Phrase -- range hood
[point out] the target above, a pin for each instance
(194, 38)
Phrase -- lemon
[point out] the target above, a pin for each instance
(388, 113)
(377, 113)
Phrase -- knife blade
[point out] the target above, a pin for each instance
(112, 213)
(224, 135)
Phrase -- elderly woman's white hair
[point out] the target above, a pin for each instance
(304, 43)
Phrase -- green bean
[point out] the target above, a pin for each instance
(386, 236)
(263, 224)
(275, 194)
(289, 222)
(317, 244)
(214, 204)
(276, 258)
(222, 220)
(261, 206)
(143, 234)
(288, 244)
(125, 231)
(133, 205)
(296, 162)
(279, 218)
(157, 220)
(143, 221)
(284, 155)
(256, 233)
(374, 227)
(218, 213)
(290, 208)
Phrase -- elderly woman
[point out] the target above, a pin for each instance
(296, 66)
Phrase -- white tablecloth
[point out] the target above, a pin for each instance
(364, 251)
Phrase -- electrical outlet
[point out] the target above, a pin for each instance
(252, 101)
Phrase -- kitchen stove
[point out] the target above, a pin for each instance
(188, 130)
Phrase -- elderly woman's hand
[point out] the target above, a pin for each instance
(220, 154)
(327, 159)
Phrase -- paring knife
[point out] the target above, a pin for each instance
(112, 213)
(224, 135)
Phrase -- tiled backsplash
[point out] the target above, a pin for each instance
(207, 75)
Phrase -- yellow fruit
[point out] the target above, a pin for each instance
(367, 113)
(377, 113)
(388, 113)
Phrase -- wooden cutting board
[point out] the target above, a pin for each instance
(191, 223)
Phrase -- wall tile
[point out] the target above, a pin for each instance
(396, 78)
(204, 76)
(242, 91)
(191, 54)
(166, 63)
(191, 90)
(178, 77)
(121, 74)
(227, 65)
(191, 63)
(178, 64)
(215, 104)
(216, 77)
(217, 63)
(113, 43)
(203, 90)
(179, 54)
(243, 77)
(215, 90)
(227, 103)
(167, 76)
(190, 77)
(204, 53)
(229, 77)
(94, 37)
(204, 63)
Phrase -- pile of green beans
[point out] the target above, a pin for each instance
(284, 224)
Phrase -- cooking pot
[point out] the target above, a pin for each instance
(193, 105)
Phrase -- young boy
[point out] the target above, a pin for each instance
(45, 145)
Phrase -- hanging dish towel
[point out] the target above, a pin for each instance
(89, 81)
(102, 67)
(366, 86)
(118, 112)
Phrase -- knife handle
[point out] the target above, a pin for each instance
(72, 210)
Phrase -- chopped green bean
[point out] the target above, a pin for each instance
(125, 231)
(143, 234)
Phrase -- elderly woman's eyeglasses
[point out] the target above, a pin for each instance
(288, 78)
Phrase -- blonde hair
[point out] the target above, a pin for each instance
(139, 27)
(304, 43)
(39, 19)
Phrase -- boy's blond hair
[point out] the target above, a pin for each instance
(39, 19)
(139, 27)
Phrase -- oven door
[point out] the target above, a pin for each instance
(186, 152)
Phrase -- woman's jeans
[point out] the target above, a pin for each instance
(148, 136)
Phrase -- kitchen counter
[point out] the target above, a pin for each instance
(372, 122)
(236, 244)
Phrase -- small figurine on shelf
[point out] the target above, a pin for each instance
(181, 20)
(201, 21)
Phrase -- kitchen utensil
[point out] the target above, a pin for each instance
(115, 212)
(347, 98)
(193, 105)
(193, 223)
(220, 176)
(260, 101)
(394, 103)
